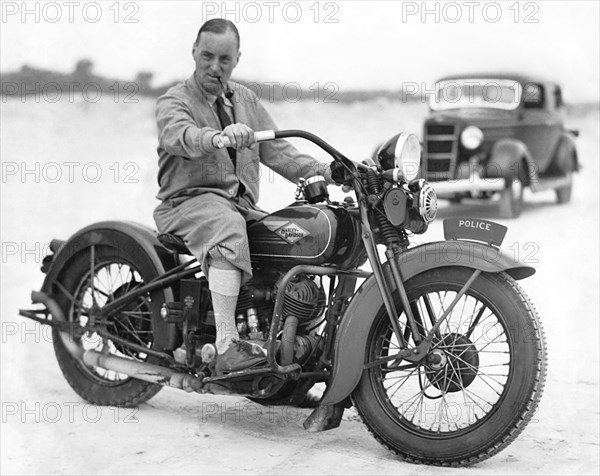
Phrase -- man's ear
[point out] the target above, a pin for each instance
(237, 60)
(194, 49)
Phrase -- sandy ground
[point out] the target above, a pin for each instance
(105, 168)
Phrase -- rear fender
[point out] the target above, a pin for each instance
(136, 238)
(356, 322)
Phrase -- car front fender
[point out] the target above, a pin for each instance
(349, 356)
(565, 158)
(510, 158)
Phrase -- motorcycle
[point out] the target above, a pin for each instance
(437, 347)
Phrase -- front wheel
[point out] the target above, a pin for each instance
(479, 385)
(511, 199)
(563, 194)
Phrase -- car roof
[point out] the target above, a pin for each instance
(520, 77)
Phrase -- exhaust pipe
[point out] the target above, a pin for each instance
(132, 368)
(143, 371)
(288, 340)
(38, 297)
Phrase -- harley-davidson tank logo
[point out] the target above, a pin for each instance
(274, 224)
(292, 233)
(289, 231)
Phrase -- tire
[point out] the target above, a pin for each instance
(116, 271)
(563, 194)
(511, 199)
(454, 412)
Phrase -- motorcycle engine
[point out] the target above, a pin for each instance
(304, 299)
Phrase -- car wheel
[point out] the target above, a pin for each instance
(563, 194)
(511, 199)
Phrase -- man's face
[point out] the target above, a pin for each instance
(216, 55)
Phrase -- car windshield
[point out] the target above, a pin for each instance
(473, 92)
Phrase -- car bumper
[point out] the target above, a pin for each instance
(473, 185)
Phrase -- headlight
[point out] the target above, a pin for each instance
(402, 151)
(471, 137)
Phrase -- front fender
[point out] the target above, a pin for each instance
(356, 322)
(506, 161)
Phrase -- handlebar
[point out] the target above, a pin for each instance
(260, 136)
(352, 168)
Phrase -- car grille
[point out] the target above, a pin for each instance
(440, 151)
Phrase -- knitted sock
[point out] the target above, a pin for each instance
(224, 285)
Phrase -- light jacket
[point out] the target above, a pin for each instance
(189, 163)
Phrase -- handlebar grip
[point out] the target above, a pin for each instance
(260, 136)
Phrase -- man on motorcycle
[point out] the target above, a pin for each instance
(208, 194)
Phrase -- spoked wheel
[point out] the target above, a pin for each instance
(115, 274)
(478, 386)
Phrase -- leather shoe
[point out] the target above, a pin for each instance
(240, 355)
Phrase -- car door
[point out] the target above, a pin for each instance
(540, 123)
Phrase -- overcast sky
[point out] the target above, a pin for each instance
(355, 45)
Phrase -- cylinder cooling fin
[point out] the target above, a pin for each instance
(304, 299)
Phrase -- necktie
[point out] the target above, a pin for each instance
(225, 121)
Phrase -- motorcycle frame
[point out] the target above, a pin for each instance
(335, 310)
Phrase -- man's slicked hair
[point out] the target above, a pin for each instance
(219, 26)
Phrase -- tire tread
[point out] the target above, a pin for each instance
(524, 416)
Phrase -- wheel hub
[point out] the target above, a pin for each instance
(436, 359)
(453, 364)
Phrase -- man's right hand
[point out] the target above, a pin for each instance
(240, 135)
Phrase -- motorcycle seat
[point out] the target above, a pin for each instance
(174, 243)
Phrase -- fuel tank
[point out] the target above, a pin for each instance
(307, 234)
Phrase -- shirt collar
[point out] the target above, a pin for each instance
(210, 98)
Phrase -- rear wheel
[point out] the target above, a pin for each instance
(480, 383)
(116, 272)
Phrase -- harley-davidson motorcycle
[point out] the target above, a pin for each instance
(437, 347)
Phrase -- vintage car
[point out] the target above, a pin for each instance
(491, 134)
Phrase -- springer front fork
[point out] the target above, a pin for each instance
(413, 323)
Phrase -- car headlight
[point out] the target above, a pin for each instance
(403, 151)
(471, 137)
